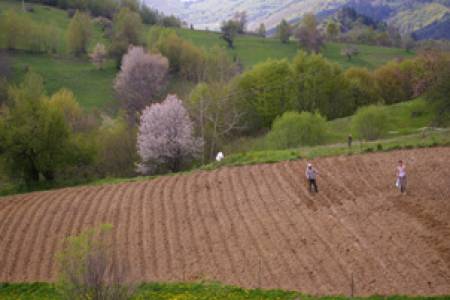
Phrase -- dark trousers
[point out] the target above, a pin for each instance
(313, 183)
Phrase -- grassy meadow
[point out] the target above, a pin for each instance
(185, 291)
(93, 88)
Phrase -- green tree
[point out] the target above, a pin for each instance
(116, 144)
(127, 28)
(321, 87)
(284, 31)
(229, 30)
(295, 129)
(35, 138)
(265, 92)
(332, 31)
(363, 87)
(79, 34)
(185, 59)
(370, 122)
(439, 93)
(12, 30)
(392, 82)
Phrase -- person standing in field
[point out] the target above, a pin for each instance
(350, 141)
(311, 176)
(401, 176)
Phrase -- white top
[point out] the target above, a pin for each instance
(401, 170)
(220, 156)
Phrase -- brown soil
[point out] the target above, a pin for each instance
(256, 226)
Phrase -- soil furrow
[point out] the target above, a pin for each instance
(265, 195)
(20, 224)
(119, 208)
(190, 193)
(163, 254)
(215, 200)
(264, 248)
(145, 230)
(367, 263)
(214, 268)
(154, 239)
(29, 256)
(134, 240)
(177, 271)
(320, 265)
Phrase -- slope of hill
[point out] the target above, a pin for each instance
(410, 16)
(256, 226)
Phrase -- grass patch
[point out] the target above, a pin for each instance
(370, 57)
(252, 50)
(92, 87)
(185, 291)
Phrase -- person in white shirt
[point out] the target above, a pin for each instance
(401, 176)
(219, 156)
(311, 175)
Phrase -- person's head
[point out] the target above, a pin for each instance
(400, 162)
(309, 166)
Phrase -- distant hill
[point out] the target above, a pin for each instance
(410, 16)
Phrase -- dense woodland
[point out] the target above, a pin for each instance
(52, 138)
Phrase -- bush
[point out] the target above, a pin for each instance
(370, 122)
(295, 129)
(79, 34)
(87, 269)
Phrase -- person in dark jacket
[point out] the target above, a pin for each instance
(311, 175)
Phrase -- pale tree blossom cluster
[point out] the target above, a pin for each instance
(166, 139)
(140, 80)
(99, 56)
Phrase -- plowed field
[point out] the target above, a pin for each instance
(256, 226)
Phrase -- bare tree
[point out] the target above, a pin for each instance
(140, 80)
(262, 30)
(349, 52)
(308, 35)
(165, 138)
(87, 270)
(216, 115)
(229, 31)
(241, 19)
(99, 55)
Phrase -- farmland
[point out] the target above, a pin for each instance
(255, 226)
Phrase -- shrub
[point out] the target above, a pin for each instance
(79, 34)
(116, 146)
(370, 122)
(35, 138)
(87, 269)
(99, 56)
(295, 129)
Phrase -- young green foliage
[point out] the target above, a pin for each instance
(295, 129)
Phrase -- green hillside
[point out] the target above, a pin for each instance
(93, 88)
